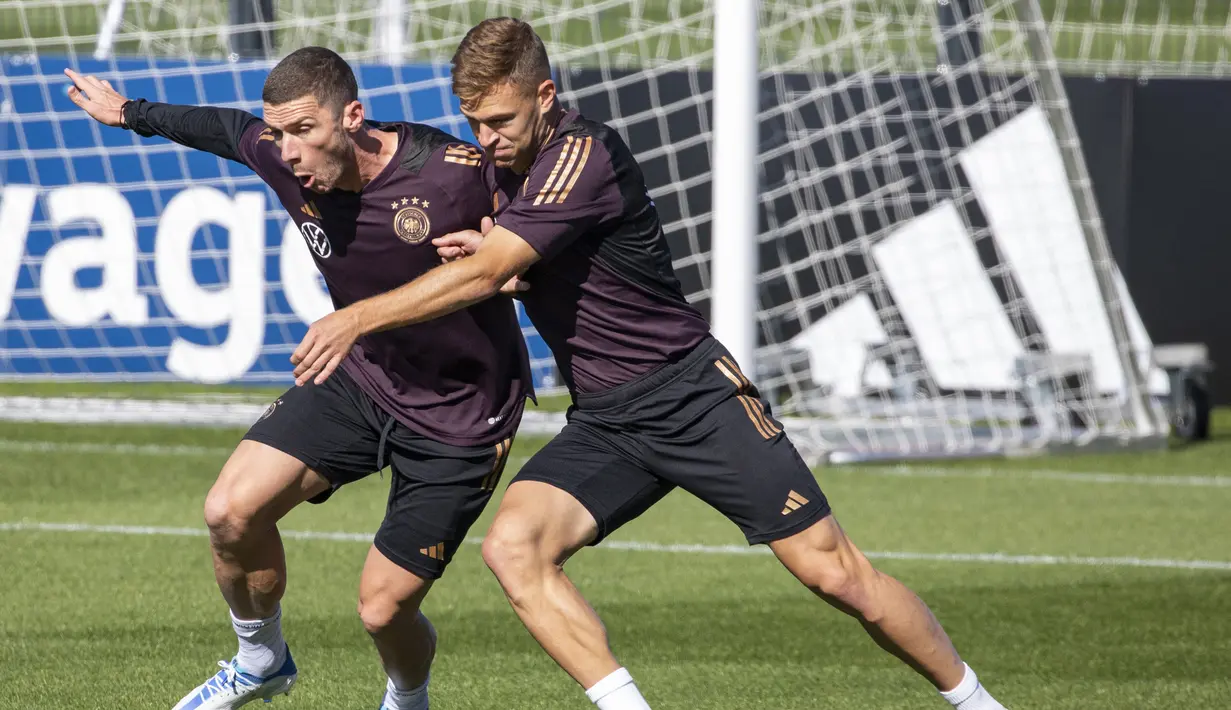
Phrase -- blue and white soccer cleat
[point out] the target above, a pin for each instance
(231, 687)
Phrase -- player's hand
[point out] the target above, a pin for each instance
(96, 96)
(457, 245)
(328, 342)
(452, 247)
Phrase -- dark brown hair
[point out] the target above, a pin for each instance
(498, 51)
(312, 70)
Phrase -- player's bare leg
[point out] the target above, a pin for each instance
(828, 563)
(537, 528)
(389, 601)
(257, 487)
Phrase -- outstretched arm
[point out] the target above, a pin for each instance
(460, 245)
(216, 130)
(441, 291)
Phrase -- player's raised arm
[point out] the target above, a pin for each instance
(208, 128)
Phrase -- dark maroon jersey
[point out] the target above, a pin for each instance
(604, 296)
(461, 379)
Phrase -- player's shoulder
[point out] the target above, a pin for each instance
(572, 123)
(577, 142)
(455, 167)
(428, 145)
(578, 139)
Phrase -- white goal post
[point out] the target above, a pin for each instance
(882, 205)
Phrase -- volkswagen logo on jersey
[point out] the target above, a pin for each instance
(315, 237)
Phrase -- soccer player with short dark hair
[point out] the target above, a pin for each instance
(439, 401)
(658, 402)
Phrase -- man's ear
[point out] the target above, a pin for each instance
(546, 95)
(352, 117)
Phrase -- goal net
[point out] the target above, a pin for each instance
(933, 274)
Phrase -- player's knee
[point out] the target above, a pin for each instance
(510, 549)
(829, 577)
(844, 585)
(228, 524)
(523, 551)
(379, 611)
(232, 517)
(830, 565)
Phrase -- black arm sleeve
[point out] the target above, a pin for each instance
(216, 130)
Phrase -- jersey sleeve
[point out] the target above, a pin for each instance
(215, 130)
(261, 151)
(571, 188)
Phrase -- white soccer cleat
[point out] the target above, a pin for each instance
(232, 688)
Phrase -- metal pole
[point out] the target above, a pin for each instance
(106, 33)
(391, 36)
(734, 163)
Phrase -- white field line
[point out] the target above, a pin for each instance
(1007, 474)
(61, 447)
(1016, 474)
(213, 411)
(994, 558)
(85, 447)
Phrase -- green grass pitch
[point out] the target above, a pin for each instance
(1099, 599)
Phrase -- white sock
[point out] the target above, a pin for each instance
(617, 692)
(405, 699)
(970, 694)
(262, 650)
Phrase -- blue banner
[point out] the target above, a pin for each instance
(136, 259)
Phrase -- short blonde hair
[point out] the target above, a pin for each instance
(502, 50)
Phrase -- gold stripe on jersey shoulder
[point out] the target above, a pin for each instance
(581, 165)
(463, 154)
(561, 161)
(462, 148)
(568, 170)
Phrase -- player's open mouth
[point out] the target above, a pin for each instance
(306, 180)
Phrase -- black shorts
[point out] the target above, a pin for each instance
(436, 491)
(698, 424)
